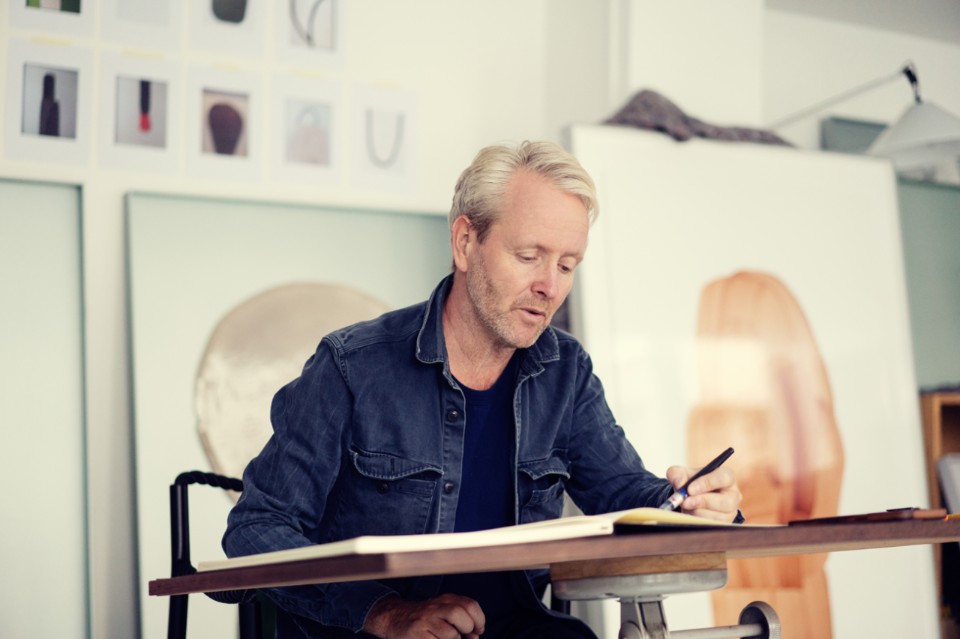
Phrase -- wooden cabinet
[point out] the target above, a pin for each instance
(941, 435)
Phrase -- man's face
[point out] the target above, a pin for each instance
(521, 273)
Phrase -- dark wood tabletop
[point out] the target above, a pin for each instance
(643, 541)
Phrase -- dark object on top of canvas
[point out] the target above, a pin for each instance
(650, 110)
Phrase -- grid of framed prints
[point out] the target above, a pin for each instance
(237, 90)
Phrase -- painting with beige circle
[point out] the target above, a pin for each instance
(257, 347)
(228, 300)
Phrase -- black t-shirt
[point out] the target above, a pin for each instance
(486, 486)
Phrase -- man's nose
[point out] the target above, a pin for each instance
(547, 283)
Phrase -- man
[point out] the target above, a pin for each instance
(465, 412)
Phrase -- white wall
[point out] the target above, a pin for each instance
(705, 56)
(481, 72)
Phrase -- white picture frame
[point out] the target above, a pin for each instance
(306, 145)
(157, 147)
(142, 24)
(309, 33)
(50, 19)
(229, 28)
(384, 148)
(71, 68)
(242, 91)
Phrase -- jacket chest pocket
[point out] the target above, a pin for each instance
(541, 485)
(386, 495)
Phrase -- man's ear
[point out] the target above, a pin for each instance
(462, 239)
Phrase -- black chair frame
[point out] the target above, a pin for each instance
(251, 620)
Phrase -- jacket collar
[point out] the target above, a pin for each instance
(431, 348)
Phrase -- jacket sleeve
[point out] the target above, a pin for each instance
(285, 490)
(607, 472)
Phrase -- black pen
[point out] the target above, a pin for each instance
(674, 501)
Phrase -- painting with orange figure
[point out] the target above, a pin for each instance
(764, 390)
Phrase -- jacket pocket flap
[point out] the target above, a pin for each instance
(543, 467)
(386, 466)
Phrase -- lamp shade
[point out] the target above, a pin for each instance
(924, 136)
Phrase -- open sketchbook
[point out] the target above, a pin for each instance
(550, 530)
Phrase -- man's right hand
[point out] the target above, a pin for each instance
(447, 616)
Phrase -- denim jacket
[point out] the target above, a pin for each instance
(368, 441)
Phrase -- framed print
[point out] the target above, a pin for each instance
(309, 33)
(141, 115)
(48, 102)
(384, 139)
(307, 120)
(142, 23)
(224, 124)
(236, 28)
(63, 17)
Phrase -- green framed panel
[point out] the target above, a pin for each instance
(930, 232)
(192, 263)
(44, 551)
(848, 136)
(930, 227)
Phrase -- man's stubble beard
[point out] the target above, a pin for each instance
(483, 295)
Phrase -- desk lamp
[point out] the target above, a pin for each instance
(922, 137)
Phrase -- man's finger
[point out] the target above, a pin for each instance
(466, 616)
(719, 479)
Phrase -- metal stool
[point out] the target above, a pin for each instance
(642, 583)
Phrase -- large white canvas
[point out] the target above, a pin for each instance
(191, 261)
(675, 216)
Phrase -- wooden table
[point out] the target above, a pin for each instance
(639, 568)
(732, 542)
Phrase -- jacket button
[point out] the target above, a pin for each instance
(383, 487)
(453, 415)
(448, 487)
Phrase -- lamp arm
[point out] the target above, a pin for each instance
(911, 74)
(907, 70)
